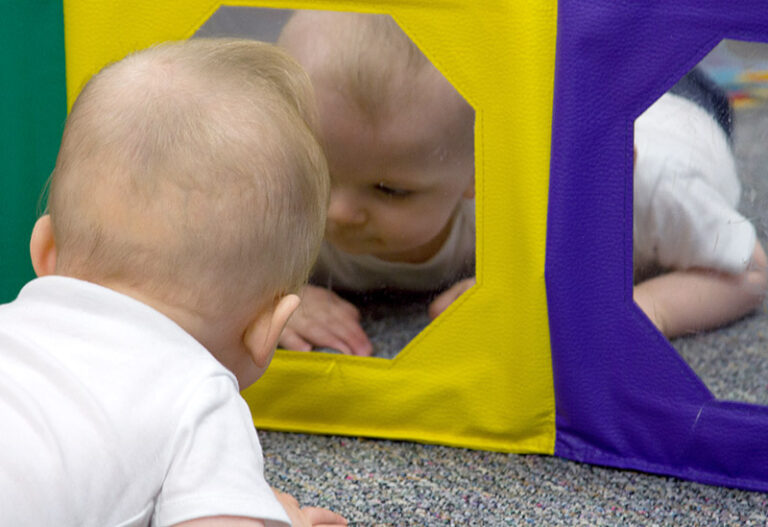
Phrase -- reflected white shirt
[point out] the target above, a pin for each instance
(362, 272)
(686, 191)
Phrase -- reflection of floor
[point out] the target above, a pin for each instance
(733, 361)
(392, 319)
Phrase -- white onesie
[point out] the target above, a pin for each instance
(362, 272)
(113, 415)
(686, 191)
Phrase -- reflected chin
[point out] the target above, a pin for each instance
(351, 247)
(373, 247)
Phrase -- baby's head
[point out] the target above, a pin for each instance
(397, 135)
(189, 175)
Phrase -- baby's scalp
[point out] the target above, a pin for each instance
(368, 64)
(367, 57)
(191, 170)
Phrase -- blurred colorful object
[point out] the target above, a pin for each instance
(741, 69)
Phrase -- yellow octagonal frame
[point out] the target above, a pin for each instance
(480, 376)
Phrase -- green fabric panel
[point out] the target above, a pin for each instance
(32, 114)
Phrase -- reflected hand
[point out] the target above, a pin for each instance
(447, 297)
(324, 319)
(307, 516)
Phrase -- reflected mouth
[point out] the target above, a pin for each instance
(348, 242)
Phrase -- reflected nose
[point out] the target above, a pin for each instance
(345, 209)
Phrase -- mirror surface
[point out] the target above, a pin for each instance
(400, 237)
(700, 220)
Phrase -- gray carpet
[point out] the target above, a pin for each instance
(377, 482)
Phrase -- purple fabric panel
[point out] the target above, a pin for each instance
(624, 397)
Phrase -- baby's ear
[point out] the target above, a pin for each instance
(263, 333)
(42, 247)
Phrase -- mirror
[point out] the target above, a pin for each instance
(700, 220)
(400, 238)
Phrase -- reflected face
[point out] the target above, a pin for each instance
(399, 140)
(395, 185)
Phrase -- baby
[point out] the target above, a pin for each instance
(186, 206)
(400, 148)
(698, 262)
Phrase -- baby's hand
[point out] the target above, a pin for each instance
(447, 297)
(325, 320)
(307, 516)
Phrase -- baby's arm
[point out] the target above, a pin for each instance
(308, 516)
(300, 517)
(446, 298)
(682, 302)
(325, 320)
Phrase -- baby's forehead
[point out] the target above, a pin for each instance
(417, 155)
(418, 122)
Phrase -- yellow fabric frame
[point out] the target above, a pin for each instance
(480, 376)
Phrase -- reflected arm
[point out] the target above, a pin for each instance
(682, 302)
(447, 297)
(325, 320)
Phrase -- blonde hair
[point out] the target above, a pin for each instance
(190, 170)
(377, 69)
(367, 57)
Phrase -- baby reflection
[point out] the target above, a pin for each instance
(399, 143)
(698, 262)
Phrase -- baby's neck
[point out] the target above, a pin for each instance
(215, 334)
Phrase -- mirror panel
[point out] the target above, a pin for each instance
(701, 195)
(400, 144)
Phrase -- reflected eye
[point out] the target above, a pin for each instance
(393, 192)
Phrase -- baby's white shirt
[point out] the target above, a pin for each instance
(362, 272)
(686, 191)
(113, 415)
